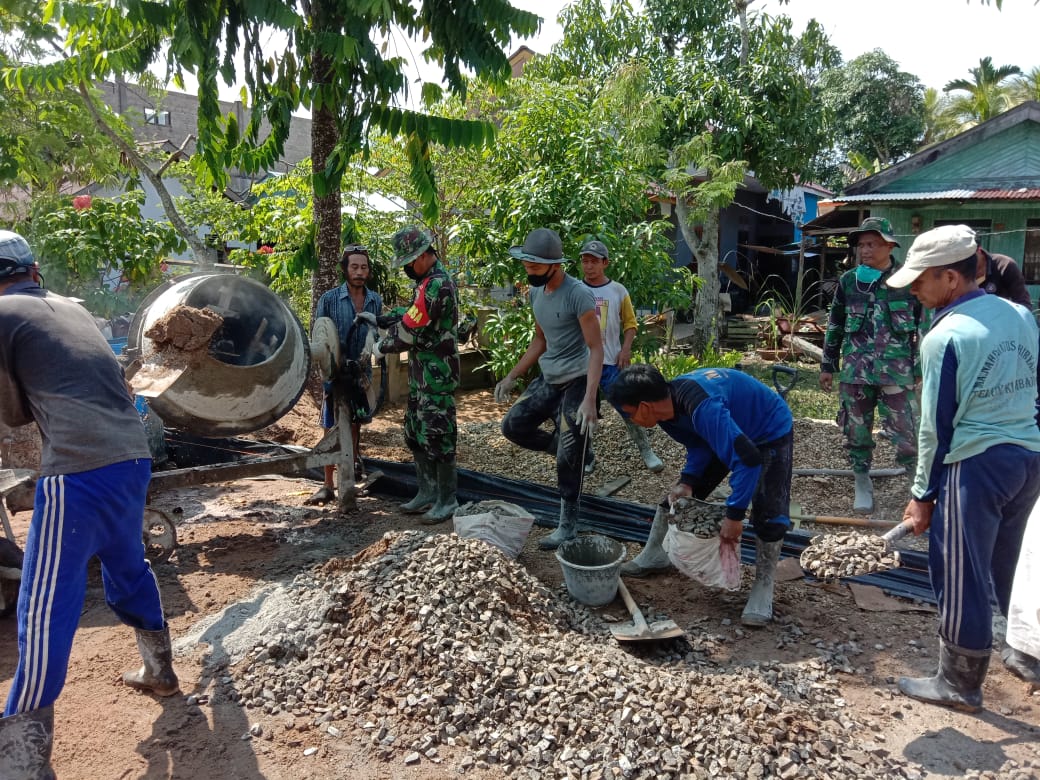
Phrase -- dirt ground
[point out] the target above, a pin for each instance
(236, 537)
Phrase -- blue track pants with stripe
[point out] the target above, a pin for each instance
(75, 517)
(976, 533)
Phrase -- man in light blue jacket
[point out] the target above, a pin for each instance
(978, 468)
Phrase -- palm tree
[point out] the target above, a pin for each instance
(987, 94)
(1026, 87)
(939, 122)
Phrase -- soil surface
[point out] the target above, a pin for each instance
(238, 538)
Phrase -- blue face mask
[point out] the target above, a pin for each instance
(866, 274)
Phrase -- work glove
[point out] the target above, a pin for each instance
(586, 418)
(503, 389)
(368, 318)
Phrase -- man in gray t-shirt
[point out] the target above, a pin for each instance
(568, 348)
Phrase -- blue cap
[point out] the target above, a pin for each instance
(15, 255)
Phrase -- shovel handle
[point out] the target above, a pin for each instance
(897, 533)
(637, 616)
(830, 520)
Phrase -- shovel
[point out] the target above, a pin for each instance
(151, 380)
(640, 630)
(897, 533)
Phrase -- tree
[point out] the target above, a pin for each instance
(987, 92)
(714, 93)
(877, 110)
(939, 123)
(334, 62)
(1026, 87)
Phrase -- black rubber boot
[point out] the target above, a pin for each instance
(446, 484)
(157, 675)
(1022, 665)
(25, 745)
(567, 528)
(957, 684)
(426, 477)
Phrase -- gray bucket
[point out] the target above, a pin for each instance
(591, 568)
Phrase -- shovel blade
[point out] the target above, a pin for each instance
(656, 631)
(152, 380)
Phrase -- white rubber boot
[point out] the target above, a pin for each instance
(864, 500)
(653, 558)
(567, 528)
(639, 437)
(759, 608)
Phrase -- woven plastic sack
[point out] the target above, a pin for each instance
(499, 523)
(707, 561)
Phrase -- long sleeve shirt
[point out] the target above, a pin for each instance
(979, 389)
(872, 333)
(726, 414)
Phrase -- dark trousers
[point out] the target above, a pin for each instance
(770, 506)
(976, 533)
(542, 401)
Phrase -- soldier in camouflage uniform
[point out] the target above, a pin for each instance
(872, 336)
(429, 332)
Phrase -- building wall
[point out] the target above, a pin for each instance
(178, 115)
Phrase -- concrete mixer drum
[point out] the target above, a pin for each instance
(256, 364)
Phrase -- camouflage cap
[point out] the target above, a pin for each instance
(409, 243)
(878, 225)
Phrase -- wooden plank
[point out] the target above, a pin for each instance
(613, 487)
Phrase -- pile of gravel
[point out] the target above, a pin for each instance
(421, 642)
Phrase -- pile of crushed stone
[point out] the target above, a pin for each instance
(420, 642)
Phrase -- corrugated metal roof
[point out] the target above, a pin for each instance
(1022, 193)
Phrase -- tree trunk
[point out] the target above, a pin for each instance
(328, 216)
(706, 251)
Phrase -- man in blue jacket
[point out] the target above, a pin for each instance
(730, 423)
(978, 466)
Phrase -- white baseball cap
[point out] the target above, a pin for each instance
(935, 248)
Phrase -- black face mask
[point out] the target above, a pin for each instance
(539, 280)
(409, 271)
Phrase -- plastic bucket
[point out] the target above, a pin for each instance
(591, 568)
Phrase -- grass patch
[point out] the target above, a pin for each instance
(806, 399)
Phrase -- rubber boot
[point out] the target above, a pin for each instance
(446, 483)
(653, 558)
(426, 478)
(641, 439)
(864, 500)
(25, 745)
(157, 675)
(1022, 665)
(759, 608)
(957, 684)
(567, 528)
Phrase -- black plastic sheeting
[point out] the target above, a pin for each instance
(623, 520)
(630, 521)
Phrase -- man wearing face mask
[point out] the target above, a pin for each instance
(568, 348)
(872, 337)
(729, 423)
(429, 332)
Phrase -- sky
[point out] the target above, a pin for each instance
(936, 40)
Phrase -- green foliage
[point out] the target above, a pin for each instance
(988, 92)
(509, 332)
(673, 364)
(876, 111)
(105, 253)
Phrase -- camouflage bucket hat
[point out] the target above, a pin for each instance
(409, 243)
(542, 245)
(878, 225)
